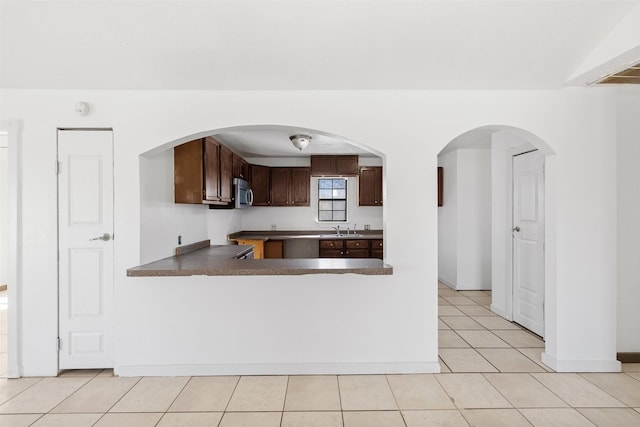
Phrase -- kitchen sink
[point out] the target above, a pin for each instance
(341, 236)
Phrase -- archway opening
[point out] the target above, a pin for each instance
(264, 147)
(477, 242)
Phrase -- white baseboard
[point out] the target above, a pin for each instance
(278, 369)
(581, 365)
(500, 312)
(444, 282)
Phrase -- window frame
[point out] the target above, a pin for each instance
(332, 199)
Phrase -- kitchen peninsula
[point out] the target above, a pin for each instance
(222, 260)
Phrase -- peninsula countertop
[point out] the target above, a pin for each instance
(297, 234)
(220, 260)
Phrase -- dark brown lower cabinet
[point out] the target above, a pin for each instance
(350, 248)
(377, 249)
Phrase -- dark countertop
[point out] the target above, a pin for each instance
(296, 234)
(219, 260)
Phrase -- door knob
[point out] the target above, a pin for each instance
(516, 229)
(105, 237)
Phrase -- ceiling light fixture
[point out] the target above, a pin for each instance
(300, 141)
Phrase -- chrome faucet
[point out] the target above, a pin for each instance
(337, 228)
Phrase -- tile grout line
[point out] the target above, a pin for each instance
(118, 400)
(600, 388)
(284, 401)
(395, 399)
(13, 397)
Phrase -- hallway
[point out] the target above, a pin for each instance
(471, 338)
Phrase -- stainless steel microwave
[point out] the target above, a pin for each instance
(242, 192)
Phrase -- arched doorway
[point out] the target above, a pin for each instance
(485, 274)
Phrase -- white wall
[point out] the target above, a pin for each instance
(4, 211)
(628, 176)
(161, 220)
(272, 324)
(464, 220)
(448, 221)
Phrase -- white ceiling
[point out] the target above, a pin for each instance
(273, 141)
(299, 45)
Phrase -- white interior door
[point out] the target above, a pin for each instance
(528, 241)
(85, 223)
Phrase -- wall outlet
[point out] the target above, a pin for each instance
(179, 240)
(273, 227)
(367, 226)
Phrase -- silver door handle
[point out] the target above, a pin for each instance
(516, 229)
(106, 237)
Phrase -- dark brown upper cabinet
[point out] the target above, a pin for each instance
(226, 174)
(202, 172)
(334, 165)
(290, 186)
(370, 186)
(260, 184)
(240, 167)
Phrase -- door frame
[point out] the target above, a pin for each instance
(58, 130)
(508, 313)
(14, 277)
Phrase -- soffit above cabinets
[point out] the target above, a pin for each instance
(630, 75)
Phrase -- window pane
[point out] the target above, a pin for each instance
(339, 216)
(339, 205)
(325, 215)
(325, 205)
(325, 194)
(339, 183)
(325, 183)
(339, 194)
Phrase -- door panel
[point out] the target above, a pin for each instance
(85, 195)
(528, 241)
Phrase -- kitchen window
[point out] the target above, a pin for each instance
(332, 200)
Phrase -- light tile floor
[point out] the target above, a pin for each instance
(473, 339)
(499, 393)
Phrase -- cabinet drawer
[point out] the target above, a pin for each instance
(331, 253)
(376, 253)
(357, 244)
(357, 253)
(376, 244)
(330, 244)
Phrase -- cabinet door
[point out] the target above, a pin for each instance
(356, 244)
(260, 184)
(356, 253)
(280, 186)
(274, 249)
(226, 174)
(347, 165)
(376, 248)
(237, 166)
(188, 173)
(330, 253)
(330, 244)
(299, 186)
(244, 170)
(370, 186)
(211, 170)
(323, 165)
